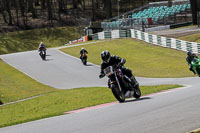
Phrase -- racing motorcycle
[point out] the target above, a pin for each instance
(121, 84)
(84, 59)
(43, 54)
(196, 66)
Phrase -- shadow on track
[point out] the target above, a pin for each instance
(139, 99)
(89, 65)
(48, 60)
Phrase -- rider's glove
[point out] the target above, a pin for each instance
(101, 75)
(121, 64)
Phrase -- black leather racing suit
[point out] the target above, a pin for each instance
(114, 60)
(41, 48)
(82, 52)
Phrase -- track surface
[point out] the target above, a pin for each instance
(174, 111)
(60, 70)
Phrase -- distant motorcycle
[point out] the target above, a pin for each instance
(120, 84)
(196, 66)
(84, 59)
(43, 54)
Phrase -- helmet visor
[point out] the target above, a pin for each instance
(106, 59)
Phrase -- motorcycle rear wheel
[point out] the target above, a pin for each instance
(198, 71)
(120, 96)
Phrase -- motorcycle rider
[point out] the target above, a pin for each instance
(110, 60)
(189, 59)
(83, 51)
(42, 47)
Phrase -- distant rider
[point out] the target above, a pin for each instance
(189, 59)
(42, 47)
(83, 51)
(110, 60)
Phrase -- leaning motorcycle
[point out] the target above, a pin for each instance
(121, 84)
(43, 54)
(196, 65)
(84, 59)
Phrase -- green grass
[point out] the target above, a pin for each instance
(14, 85)
(61, 101)
(29, 40)
(191, 38)
(143, 59)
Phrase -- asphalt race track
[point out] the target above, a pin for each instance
(175, 111)
(60, 70)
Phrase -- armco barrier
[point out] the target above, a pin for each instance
(95, 37)
(150, 38)
(107, 35)
(123, 33)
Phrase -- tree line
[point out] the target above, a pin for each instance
(20, 12)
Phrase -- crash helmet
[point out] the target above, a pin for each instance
(189, 53)
(82, 48)
(41, 44)
(105, 56)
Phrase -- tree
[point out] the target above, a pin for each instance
(7, 4)
(43, 4)
(50, 13)
(16, 3)
(3, 10)
(31, 8)
(108, 6)
(37, 3)
(194, 11)
(60, 8)
(75, 4)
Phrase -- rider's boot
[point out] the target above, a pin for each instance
(192, 70)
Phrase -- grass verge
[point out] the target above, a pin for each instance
(29, 40)
(144, 59)
(191, 38)
(195, 131)
(56, 103)
(14, 85)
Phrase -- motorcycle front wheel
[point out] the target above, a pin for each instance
(120, 96)
(84, 62)
(137, 92)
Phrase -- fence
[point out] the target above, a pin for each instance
(150, 38)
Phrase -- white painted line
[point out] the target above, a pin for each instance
(21, 100)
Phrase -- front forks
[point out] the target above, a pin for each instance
(113, 82)
(120, 89)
